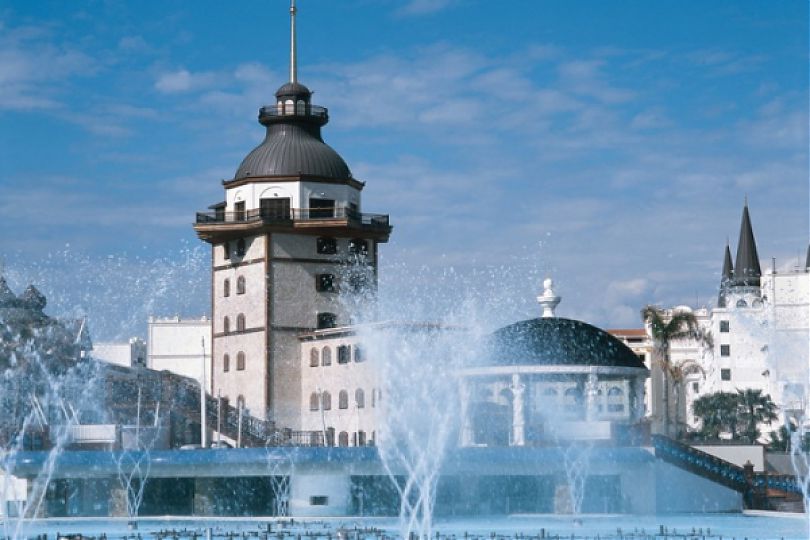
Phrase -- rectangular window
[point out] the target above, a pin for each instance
(277, 209)
(326, 320)
(725, 374)
(226, 248)
(724, 326)
(725, 350)
(319, 500)
(321, 208)
(327, 246)
(325, 283)
(695, 387)
(344, 354)
(358, 354)
(239, 211)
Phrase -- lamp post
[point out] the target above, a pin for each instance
(203, 434)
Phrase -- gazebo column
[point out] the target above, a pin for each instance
(638, 395)
(466, 421)
(591, 395)
(518, 419)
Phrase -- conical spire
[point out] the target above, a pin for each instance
(728, 268)
(746, 268)
(725, 280)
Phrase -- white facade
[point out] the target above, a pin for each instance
(761, 345)
(130, 354)
(182, 346)
(340, 387)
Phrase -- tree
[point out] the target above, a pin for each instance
(755, 408)
(736, 413)
(717, 413)
(666, 328)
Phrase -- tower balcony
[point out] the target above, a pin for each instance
(212, 226)
(300, 111)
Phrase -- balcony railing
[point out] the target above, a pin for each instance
(274, 216)
(287, 110)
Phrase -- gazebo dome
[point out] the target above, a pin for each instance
(553, 341)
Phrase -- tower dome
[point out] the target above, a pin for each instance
(293, 145)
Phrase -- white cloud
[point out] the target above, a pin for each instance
(182, 80)
(423, 7)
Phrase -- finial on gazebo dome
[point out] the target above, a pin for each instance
(548, 300)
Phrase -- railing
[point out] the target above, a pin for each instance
(290, 110)
(720, 470)
(701, 463)
(375, 221)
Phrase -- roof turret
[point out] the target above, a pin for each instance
(293, 145)
(725, 280)
(32, 299)
(7, 296)
(746, 268)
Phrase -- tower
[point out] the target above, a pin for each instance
(743, 288)
(290, 225)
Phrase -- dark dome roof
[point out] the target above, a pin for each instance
(557, 341)
(291, 150)
(293, 89)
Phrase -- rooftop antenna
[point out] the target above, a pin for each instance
(293, 60)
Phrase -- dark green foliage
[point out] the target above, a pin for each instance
(735, 413)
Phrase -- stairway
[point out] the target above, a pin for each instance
(759, 489)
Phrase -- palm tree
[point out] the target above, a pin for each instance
(717, 413)
(665, 329)
(755, 408)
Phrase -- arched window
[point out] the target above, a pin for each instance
(240, 247)
(226, 363)
(330, 436)
(344, 354)
(240, 402)
(314, 357)
(226, 288)
(240, 361)
(289, 107)
(361, 438)
(358, 354)
(572, 398)
(360, 398)
(326, 398)
(343, 399)
(226, 325)
(240, 322)
(313, 402)
(343, 439)
(300, 107)
(615, 400)
(742, 303)
(326, 356)
(240, 285)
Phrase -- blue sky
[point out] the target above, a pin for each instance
(608, 144)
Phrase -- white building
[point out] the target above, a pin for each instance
(129, 354)
(182, 346)
(760, 331)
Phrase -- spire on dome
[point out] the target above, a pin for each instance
(293, 51)
(548, 300)
(746, 268)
